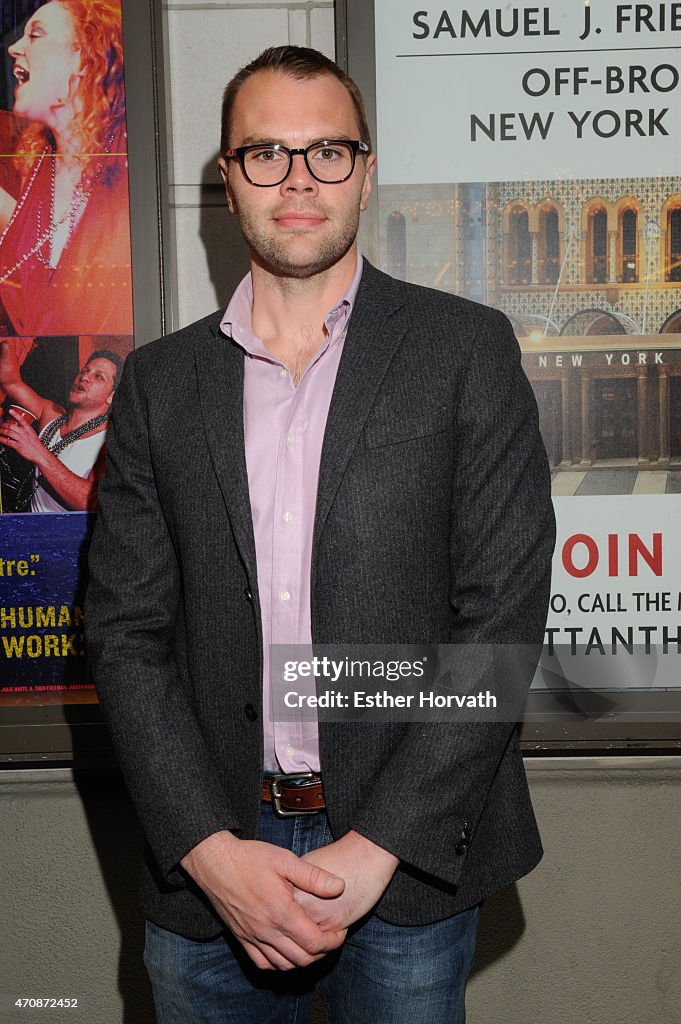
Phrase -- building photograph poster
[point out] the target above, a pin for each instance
(530, 159)
(66, 323)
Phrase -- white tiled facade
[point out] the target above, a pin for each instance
(206, 44)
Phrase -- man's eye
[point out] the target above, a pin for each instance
(328, 154)
(266, 156)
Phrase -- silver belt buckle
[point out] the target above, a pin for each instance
(280, 811)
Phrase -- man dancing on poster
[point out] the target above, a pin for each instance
(68, 450)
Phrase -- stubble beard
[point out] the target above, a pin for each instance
(85, 405)
(279, 258)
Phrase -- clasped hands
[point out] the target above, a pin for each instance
(289, 911)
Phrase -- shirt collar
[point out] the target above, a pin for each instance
(237, 320)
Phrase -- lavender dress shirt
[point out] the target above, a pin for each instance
(284, 429)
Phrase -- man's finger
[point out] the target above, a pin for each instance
(330, 939)
(308, 935)
(335, 937)
(18, 418)
(286, 955)
(324, 913)
(315, 880)
(295, 926)
(256, 956)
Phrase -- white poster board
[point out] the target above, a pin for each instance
(530, 158)
(569, 90)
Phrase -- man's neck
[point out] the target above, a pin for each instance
(76, 417)
(289, 312)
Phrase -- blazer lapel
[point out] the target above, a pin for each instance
(220, 372)
(372, 339)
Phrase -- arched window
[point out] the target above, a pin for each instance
(672, 324)
(549, 246)
(598, 246)
(519, 262)
(397, 245)
(673, 261)
(628, 241)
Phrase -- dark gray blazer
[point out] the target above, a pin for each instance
(433, 523)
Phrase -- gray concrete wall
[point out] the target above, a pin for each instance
(591, 937)
(206, 44)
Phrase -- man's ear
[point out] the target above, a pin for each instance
(224, 174)
(369, 168)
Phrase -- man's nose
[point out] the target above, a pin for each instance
(299, 178)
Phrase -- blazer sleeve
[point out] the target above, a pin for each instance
(131, 612)
(501, 544)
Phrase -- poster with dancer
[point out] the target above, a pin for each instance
(66, 323)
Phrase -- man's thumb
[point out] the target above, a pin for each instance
(315, 880)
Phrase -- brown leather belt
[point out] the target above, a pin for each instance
(294, 794)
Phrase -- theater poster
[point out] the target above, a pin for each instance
(530, 158)
(66, 324)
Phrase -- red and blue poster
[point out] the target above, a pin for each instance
(66, 323)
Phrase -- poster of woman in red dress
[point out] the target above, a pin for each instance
(66, 323)
(65, 234)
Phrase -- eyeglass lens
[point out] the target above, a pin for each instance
(267, 165)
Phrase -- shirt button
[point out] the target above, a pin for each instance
(287, 517)
(289, 439)
(288, 750)
(285, 596)
(283, 372)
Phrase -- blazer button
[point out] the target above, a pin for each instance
(460, 848)
(250, 713)
(467, 828)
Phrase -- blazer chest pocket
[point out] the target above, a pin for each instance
(391, 424)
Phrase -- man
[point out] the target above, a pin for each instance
(68, 451)
(339, 458)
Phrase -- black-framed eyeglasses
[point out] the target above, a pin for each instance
(330, 161)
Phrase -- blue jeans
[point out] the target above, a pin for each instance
(382, 974)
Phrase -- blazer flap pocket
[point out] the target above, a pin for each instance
(391, 424)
